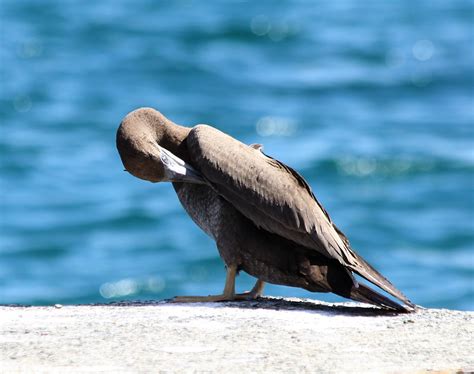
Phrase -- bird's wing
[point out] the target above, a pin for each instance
(275, 197)
(271, 194)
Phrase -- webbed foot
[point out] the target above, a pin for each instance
(203, 299)
(253, 294)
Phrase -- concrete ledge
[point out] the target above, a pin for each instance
(268, 335)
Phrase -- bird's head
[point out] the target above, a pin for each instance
(153, 148)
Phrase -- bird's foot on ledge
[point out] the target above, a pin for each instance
(255, 293)
(202, 299)
(247, 295)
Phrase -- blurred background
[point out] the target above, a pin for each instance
(371, 101)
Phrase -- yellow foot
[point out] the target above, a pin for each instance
(255, 293)
(202, 299)
(245, 296)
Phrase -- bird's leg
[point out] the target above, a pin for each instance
(227, 295)
(256, 292)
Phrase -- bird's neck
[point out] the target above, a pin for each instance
(173, 139)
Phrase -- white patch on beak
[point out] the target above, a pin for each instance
(176, 170)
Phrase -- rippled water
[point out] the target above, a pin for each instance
(372, 101)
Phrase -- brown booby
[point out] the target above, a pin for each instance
(261, 213)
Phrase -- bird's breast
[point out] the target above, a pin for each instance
(203, 205)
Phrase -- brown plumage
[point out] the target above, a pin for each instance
(262, 214)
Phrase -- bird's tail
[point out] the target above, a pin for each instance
(365, 294)
(366, 271)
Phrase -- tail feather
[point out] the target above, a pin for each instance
(367, 295)
(366, 271)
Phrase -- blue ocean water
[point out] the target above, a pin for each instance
(371, 101)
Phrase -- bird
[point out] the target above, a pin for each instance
(261, 213)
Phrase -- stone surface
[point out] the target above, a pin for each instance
(268, 336)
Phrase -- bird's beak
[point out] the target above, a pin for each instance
(176, 170)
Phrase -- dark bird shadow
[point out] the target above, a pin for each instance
(349, 309)
(270, 303)
(311, 306)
